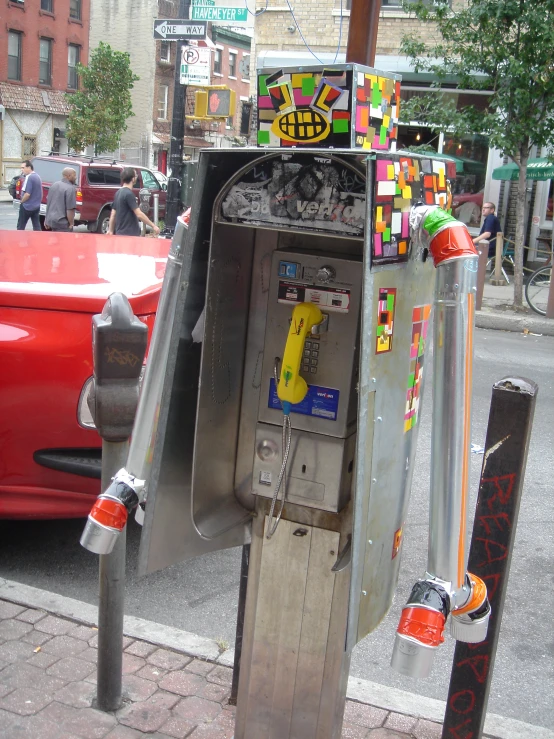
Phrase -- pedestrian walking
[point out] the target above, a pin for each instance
(125, 215)
(61, 202)
(31, 198)
(491, 226)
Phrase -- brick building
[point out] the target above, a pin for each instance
(41, 42)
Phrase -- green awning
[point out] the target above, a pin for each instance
(537, 169)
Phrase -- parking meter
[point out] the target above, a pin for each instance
(144, 200)
(119, 345)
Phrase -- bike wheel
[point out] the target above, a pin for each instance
(537, 289)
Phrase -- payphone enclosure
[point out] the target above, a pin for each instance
(271, 230)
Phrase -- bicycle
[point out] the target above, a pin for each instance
(537, 289)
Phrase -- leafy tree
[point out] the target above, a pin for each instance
(100, 109)
(502, 46)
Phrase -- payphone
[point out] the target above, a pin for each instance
(287, 409)
(316, 348)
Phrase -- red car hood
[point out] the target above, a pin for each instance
(77, 272)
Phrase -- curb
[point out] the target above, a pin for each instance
(359, 690)
(510, 321)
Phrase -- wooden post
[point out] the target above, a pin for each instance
(483, 250)
(550, 303)
(498, 279)
(362, 32)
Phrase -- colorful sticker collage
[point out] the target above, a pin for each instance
(385, 319)
(420, 324)
(377, 110)
(399, 184)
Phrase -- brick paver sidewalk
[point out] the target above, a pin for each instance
(48, 687)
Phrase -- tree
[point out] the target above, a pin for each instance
(502, 46)
(100, 109)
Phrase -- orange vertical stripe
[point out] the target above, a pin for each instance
(467, 427)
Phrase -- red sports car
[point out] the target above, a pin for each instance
(51, 284)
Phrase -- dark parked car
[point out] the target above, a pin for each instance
(98, 179)
(13, 184)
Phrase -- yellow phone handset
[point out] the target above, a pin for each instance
(292, 388)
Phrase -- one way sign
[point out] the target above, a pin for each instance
(176, 29)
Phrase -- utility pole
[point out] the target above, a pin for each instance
(362, 32)
(173, 204)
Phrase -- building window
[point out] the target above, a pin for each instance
(47, 5)
(162, 102)
(244, 67)
(75, 9)
(232, 64)
(73, 56)
(14, 55)
(45, 67)
(229, 122)
(218, 57)
(164, 51)
(29, 147)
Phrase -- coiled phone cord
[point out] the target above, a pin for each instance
(281, 479)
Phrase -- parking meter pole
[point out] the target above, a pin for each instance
(111, 597)
(156, 208)
(173, 206)
(492, 541)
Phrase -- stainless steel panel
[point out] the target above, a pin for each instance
(144, 430)
(319, 470)
(385, 450)
(264, 245)
(169, 533)
(214, 505)
(337, 348)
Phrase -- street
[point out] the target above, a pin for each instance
(200, 596)
(8, 217)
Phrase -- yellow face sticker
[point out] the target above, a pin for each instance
(302, 126)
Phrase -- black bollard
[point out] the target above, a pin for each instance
(490, 554)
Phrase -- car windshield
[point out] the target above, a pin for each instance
(50, 170)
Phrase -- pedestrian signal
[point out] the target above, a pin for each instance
(214, 102)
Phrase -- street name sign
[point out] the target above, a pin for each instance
(195, 65)
(203, 2)
(219, 14)
(176, 29)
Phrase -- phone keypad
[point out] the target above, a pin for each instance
(310, 356)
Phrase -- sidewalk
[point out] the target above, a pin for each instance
(497, 313)
(175, 684)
